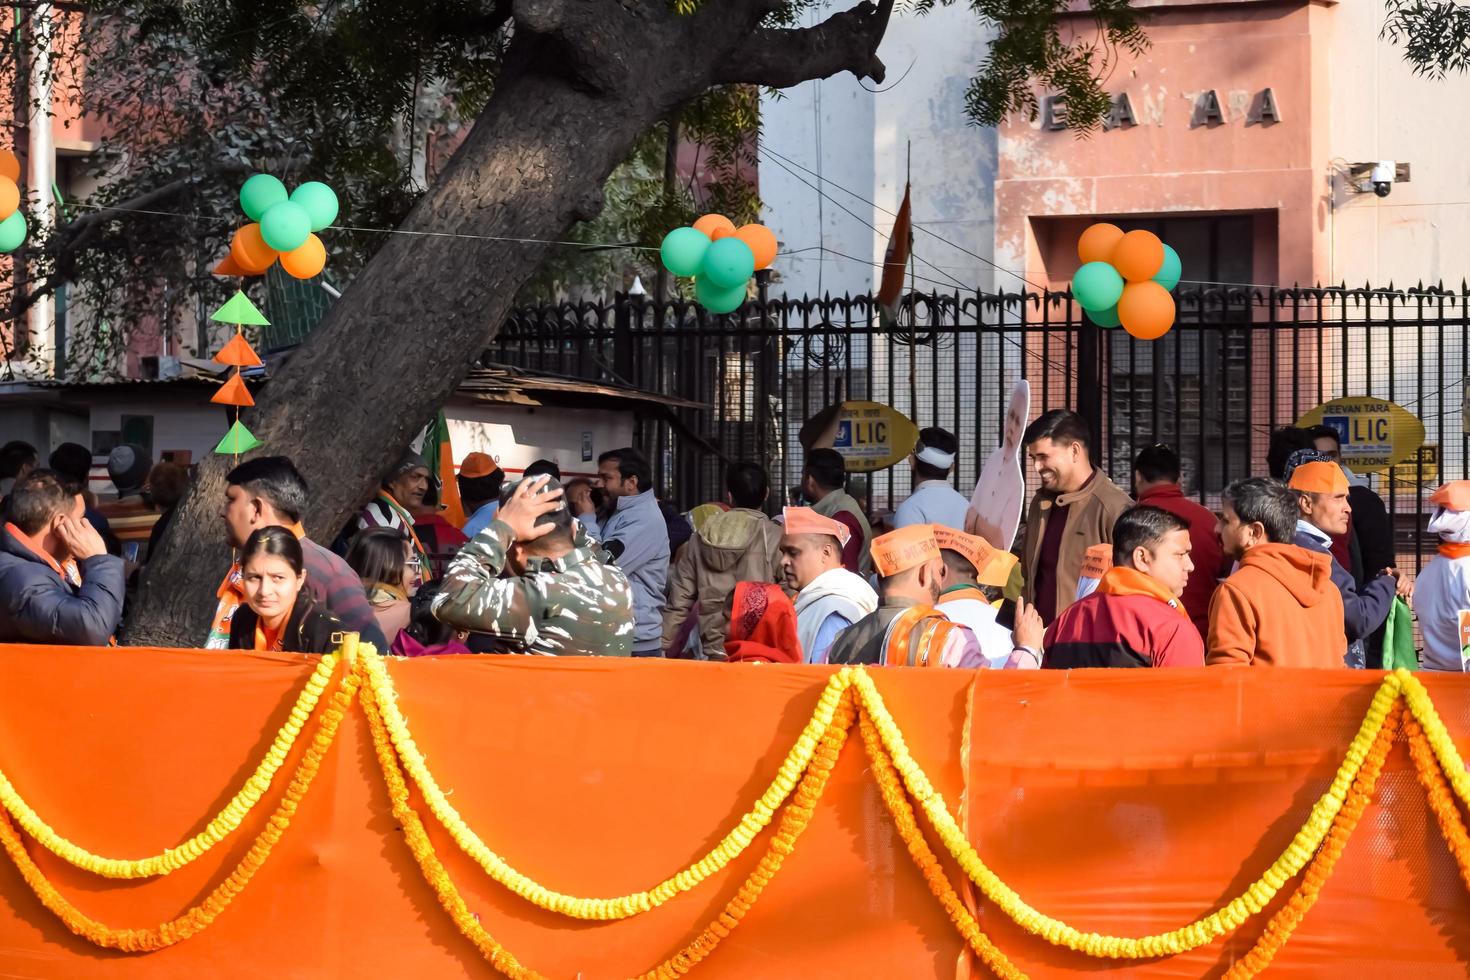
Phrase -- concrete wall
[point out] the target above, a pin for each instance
(1380, 110)
(864, 140)
(1172, 160)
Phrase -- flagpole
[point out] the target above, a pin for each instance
(913, 316)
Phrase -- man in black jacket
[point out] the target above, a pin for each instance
(1371, 529)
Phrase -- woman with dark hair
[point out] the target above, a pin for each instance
(383, 557)
(278, 614)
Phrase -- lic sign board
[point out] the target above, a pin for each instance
(1375, 434)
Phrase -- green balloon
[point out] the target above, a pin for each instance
(259, 194)
(683, 251)
(729, 263)
(286, 226)
(320, 202)
(1105, 318)
(1097, 286)
(1173, 269)
(716, 298)
(12, 232)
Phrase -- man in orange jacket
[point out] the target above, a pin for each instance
(1280, 608)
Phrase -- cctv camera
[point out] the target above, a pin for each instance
(1382, 177)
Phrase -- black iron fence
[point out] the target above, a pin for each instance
(1238, 363)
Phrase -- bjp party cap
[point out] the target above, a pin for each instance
(906, 548)
(804, 520)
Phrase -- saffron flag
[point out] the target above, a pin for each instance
(895, 261)
(440, 455)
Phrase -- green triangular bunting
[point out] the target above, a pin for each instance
(238, 440)
(240, 310)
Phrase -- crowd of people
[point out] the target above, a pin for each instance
(1297, 568)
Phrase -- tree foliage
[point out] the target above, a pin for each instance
(1435, 34)
(372, 96)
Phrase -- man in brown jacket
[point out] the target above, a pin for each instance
(1280, 608)
(740, 545)
(1074, 510)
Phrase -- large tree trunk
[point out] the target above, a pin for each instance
(583, 80)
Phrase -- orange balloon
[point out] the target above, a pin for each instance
(1146, 310)
(1098, 241)
(250, 251)
(307, 260)
(9, 197)
(9, 165)
(712, 224)
(762, 242)
(1138, 256)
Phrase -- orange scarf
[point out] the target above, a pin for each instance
(1454, 549)
(268, 640)
(1121, 580)
(426, 571)
(67, 570)
(231, 595)
(932, 638)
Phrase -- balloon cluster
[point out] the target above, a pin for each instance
(1126, 279)
(12, 219)
(720, 257)
(283, 226)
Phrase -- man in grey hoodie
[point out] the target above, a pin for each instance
(637, 537)
(740, 545)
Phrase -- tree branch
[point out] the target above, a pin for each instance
(846, 41)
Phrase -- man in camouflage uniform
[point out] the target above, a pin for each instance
(559, 596)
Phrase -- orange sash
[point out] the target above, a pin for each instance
(1454, 549)
(932, 638)
(1122, 580)
(267, 640)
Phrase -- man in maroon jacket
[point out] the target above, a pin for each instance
(1135, 618)
(1156, 483)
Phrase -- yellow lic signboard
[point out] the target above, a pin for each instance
(872, 436)
(1375, 433)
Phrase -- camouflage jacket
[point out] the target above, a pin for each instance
(575, 605)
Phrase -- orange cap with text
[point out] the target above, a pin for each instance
(1319, 478)
(804, 520)
(1452, 496)
(976, 551)
(898, 551)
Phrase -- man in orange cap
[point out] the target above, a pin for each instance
(1325, 512)
(829, 598)
(975, 575)
(906, 630)
(1442, 593)
(480, 480)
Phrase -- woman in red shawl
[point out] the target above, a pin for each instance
(762, 626)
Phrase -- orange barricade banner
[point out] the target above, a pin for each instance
(1121, 803)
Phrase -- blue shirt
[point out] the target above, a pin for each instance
(827, 634)
(480, 519)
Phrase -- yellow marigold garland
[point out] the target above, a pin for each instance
(201, 916)
(794, 820)
(908, 829)
(1439, 738)
(225, 823)
(1188, 937)
(1289, 916)
(380, 687)
(1451, 824)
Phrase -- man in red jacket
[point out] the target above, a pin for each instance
(1156, 483)
(1135, 618)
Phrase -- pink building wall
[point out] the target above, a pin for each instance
(1172, 162)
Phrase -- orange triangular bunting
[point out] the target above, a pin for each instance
(233, 392)
(238, 353)
(229, 267)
